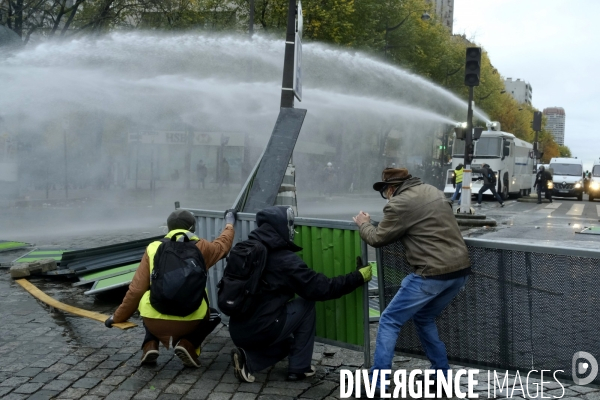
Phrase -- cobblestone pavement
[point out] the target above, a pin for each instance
(47, 354)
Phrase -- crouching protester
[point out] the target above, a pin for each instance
(279, 325)
(421, 218)
(184, 313)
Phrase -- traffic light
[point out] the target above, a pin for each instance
(442, 147)
(537, 121)
(473, 66)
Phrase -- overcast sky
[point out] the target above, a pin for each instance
(553, 45)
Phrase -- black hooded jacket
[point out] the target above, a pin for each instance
(285, 275)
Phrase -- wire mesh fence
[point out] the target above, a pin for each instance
(524, 308)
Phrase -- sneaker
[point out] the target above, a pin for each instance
(501, 204)
(187, 353)
(150, 352)
(539, 202)
(477, 205)
(240, 369)
(292, 376)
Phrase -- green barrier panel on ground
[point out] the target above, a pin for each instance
(333, 252)
(6, 245)
(112, 283)
(40, 254)
(95, 276)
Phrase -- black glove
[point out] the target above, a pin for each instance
(230, 216)
(109, 322)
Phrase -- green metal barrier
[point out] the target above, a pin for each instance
(333, 252)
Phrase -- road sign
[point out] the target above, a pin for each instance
(298, 67)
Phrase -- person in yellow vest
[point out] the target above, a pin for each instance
(189, 331)
(457, 180)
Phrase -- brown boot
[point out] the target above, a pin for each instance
(187, 353)
(150, 354)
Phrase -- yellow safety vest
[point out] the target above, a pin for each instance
(459, 175)
(146, 309)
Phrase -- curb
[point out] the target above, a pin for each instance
(476, 222)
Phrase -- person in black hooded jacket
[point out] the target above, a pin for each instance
(279, 326)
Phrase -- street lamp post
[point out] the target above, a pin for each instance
(425, 16)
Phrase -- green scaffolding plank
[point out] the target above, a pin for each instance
(111, 283)
(6, 245)
(107, 273)
(39, 254)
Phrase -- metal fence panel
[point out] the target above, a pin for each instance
(525, 307)
(333, 252)
(329, 247)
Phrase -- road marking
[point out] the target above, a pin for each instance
(576, 209)
(598, 209)
(549, 208)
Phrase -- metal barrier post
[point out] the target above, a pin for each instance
(366, 313)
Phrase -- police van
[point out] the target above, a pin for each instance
(567, 177)
(508, 156)
(594, 185)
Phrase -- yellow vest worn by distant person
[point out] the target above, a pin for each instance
(146, 309)
(459, 175)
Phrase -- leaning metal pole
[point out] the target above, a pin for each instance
(262, 188)
(465, 198)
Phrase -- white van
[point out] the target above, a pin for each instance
(594, 186)
(567, 177)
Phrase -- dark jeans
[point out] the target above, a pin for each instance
(197, 336)
(548, 194)
(492, 189)
(300, 323)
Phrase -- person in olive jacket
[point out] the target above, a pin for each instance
(421, 218)
(264, 337)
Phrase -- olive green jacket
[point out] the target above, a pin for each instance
(420, 216)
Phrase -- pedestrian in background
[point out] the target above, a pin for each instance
(421, 218)
(202, 173)
(457, 180)
(541, 184)
(489, 183)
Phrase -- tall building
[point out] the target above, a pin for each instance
(519, 89)
(555, 123)
(444, 9)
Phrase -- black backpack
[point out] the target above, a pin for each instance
(178, 280)
(242, 278)
(491, 176)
